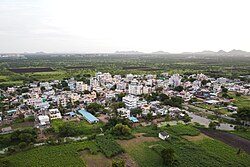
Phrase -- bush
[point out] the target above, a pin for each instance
(118, 163)
(22, 145)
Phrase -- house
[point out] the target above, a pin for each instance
(88, 116)
(163, 135)
(43, 119)
(124, 112)
(55, 114)
(130, 101)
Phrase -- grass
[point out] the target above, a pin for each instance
(201, 151)
(96, 160)
(12, 83)
(22, 125)
(46, 76)
(143, 155)
(61, 155)
(242, 134)
(83, 127)
(240, 101)
(108, 146)
(56, 123)
(181, 130)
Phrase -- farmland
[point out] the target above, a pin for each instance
(61, 155)
(30, 70)
(202, 152)
(108, 146)
(61, 66)
(191, 149)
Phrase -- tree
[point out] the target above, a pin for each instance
(117, 105)
(120, 96)
(186, 118)
(168, 117)
(67, 130)
(93, 108)
(158, 89)
(118, 163)
(168, 156)
(136, 111)
(121, 130)
(149, 116)
(163, 97)
(204, 82)
(178, 88)
(42, 89)
(244, 113)
(64, 84)
(223, 89)
(213, 124)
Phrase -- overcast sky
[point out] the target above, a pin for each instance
(124, 25)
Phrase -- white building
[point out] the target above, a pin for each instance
(43, 119)
(129, 77)
(135, 89)
(130, 101)
(175, 80)
(163, 135)
(80, 86)
(55, 114)
(123, 112)
(133, 101)
(201, 77)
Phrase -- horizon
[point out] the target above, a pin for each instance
(131, 52)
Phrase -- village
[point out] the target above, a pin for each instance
(116, 114)
(142, 99)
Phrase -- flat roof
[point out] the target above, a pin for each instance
(212, 101)
(133, 119)
(71, 113)
(11, 111)
(88, 116)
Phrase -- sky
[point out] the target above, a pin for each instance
(106, 26)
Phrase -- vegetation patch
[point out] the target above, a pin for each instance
(108, 145)
(95, 160)
(200, 137)
(181, 130)
(30, 70)
(60, 155)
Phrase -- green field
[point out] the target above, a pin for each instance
(240, 101)
(245, 135)
(81, 128)
(191, 149)
(204, 152)
(61, 155)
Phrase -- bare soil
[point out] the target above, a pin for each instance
(200, 137)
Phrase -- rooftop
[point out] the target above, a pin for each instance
(88, 116)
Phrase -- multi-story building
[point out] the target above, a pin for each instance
(54, 114)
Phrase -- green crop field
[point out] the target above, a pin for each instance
(240, 101)
(202, 152)
(62, 155)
